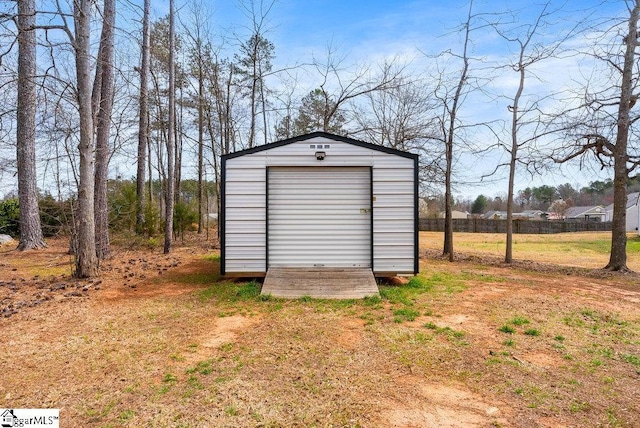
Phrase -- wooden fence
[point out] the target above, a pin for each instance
(478, 225)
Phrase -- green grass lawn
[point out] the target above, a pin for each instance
(582, 249)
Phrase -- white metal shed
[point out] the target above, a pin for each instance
(319, 200)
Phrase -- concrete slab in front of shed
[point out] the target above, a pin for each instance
(320, 283)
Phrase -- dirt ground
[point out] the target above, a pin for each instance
(156, 341)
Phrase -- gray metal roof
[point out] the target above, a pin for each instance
(632, 199)
(574, 212)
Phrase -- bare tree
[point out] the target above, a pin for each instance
(451, 102)
(30, 228)
(336, 90)
(166, 76)
(143, 124)
(170, 198)
(559, 207)
(220, 112)
(218, 115)
(401, 117)
(199, 60)
(605, 122)
(158, 106)
(530, 52)
(254, 62)
(621, 158)
(103, 105)
(283, 128)
(86, 259)
(200, 131)
(398, 117)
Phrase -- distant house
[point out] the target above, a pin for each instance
(591, 213)
(495, 215)
(534, 214)
(633, 211)
(522, 216)
(456, 214)
(525, 215)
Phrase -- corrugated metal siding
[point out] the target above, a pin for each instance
(319, 216)
(394, 215)
(245, 218)
(393, 207)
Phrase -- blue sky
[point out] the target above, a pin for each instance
(374, 29)
(367, 31)
(298, 27)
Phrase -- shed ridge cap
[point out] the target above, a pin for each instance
(320, 134)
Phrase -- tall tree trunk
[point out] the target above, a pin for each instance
(150, 195)
(618, 257)
(230, 142)
(453, 112)
(508, 257)
(104, 69)
(30, 227)
(170, 202)
(216, 168)
(448, 215)
(200, 136)
(143, 126)
(214, 149)
(86, 259)
(254, 83)
(263, 102)
(178, 150)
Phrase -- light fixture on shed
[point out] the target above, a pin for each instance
(320, 155)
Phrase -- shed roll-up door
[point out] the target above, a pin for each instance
(319, 217)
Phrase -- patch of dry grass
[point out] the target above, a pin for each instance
(187, 349)
(42, 265)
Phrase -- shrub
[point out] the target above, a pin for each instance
(151, 220)
(10, 217)
(121, 199)
(55, 216)
(183, 216)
